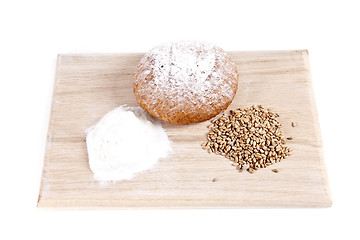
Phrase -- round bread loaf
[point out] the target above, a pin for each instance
(185, 82)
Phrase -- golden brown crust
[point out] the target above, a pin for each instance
(185, 95)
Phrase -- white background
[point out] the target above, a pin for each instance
(34, 32)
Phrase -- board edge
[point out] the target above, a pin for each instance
(53, 101)
(324, 173)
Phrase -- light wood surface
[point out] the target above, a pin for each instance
(87, 86)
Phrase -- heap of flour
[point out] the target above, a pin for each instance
(124, 142)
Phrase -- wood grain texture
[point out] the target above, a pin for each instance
(88, 86)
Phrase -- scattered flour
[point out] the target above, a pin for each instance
(126, 141)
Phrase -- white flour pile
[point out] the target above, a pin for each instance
(124, 142)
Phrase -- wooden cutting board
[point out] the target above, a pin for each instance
(87, 86)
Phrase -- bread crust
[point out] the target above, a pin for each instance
(185, 82)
